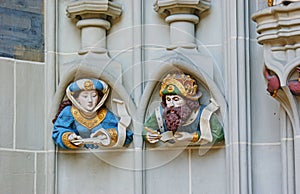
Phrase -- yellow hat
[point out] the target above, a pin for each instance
(180, 84)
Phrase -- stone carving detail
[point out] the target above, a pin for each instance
(273, 82)
(182, 15)
(180, 118)
(93, 20)
(278, 30)
(84, 121)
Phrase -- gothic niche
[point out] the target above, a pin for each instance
(83, 121)
(181, 118)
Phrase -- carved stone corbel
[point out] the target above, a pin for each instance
(182, 15)
(278, 30)
(93, 20)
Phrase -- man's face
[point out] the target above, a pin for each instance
(88, 99)
(174, 101)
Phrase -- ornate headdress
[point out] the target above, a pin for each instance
(180, 84)
(87, 84)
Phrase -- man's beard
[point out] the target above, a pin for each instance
(176, 116)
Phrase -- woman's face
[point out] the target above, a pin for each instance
(88, 99)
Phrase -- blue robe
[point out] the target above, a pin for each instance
(67, 123)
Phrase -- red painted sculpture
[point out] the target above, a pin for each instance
(294, 85)
(273, 83)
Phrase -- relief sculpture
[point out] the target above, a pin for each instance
(84, 121)
(181, 118)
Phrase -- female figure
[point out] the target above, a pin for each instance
(86, 122)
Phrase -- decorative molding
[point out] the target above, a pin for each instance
(169, 7)
(93, 21)
(181, 15)
(278, 30)
(278, 25)
(93, 9)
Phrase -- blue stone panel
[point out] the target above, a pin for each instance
(22, 29)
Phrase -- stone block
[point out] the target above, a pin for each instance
(210, 28)
(264, 128)
(262, 4)
(30, 114)
(41, 175)
(209, 171)
(17, 172)
(86, 173)
(68, 31)
(156, 36)
(253, 7)
(167, 171)
(6, 103)
(266, 169)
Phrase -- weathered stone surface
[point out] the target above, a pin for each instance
(17, 172)
(30, 106)
(22, 33)
(7, 103)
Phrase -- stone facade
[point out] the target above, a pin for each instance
(22, 30)
(132, 46)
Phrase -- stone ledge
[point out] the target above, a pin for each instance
(93, 9)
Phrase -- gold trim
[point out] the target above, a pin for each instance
(195, 137)
(113, 135)
(186, 85)
(88, 85)
(175, 83)
(89, 123)
(275, 93)
(270, 3)
(67, 143)
(170, 88)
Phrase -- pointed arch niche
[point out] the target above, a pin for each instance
(151, 99)
(88, 68)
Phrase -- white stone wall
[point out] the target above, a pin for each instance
(25, 159)
(249, 162)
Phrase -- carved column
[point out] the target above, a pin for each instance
(182, 15)
(93, 20)
(278, 30)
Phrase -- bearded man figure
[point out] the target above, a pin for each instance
(181, 117)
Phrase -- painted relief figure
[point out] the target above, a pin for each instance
(181, 118)
(84, 121)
